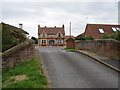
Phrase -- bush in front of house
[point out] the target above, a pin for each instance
(115, 36)
(35, 39)
(83, 38)
(11, 37)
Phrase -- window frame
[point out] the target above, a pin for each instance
(114, 29)
(117, 28)
(43, 41)
(101, 30)
(59, 35)
(59, 41)
(43, 35)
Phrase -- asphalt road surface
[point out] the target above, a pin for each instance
(74, 70)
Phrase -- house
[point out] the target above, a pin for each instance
(97, 30)
(12, 36)
(20, 28)
(51, 36)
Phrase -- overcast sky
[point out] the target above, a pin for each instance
(51, 14)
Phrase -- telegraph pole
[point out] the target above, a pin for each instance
(70, 28)
(86, 20)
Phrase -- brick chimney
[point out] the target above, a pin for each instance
(38, 26)
(21, 26)
(63, 26)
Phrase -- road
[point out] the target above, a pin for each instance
(74, 70)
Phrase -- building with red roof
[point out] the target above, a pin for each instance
(97, 30)
(51, 36)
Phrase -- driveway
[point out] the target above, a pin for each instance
(74, 70)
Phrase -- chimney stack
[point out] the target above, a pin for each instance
(21, 26)
(63, 25)
(38, 26)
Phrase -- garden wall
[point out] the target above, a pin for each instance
(17, 54)
(108, 48)
(70, 43)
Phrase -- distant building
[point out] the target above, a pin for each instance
(12, 36)
(51, 36)
(97, 30)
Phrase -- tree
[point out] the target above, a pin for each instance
(83, 38)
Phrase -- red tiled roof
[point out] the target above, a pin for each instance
(51, 30)
(2, 23)
(92, 30)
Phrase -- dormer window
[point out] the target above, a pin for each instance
(59, 35)
(43, 34)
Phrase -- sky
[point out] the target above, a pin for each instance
(32, 13)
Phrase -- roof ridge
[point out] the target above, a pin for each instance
(103, 24)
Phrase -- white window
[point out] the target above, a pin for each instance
(118, 28)
(43, 34)
(59, 42)
(114, 29)
(43, 41)
(101, 30)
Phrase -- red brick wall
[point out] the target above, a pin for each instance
(70, 43)
(107, 48)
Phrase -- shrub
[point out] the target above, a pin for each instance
(84, 38)
(115, 36)
(105, 36)
(35, 39)
(11, 37)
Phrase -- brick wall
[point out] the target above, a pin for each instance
(107, 48)
(70, 43)
(17, 54)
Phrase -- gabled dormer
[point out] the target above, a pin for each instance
(59, 35)
(43, 34)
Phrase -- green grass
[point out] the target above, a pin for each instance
(70, 49)
(31, 69)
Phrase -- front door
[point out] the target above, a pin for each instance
(51, 42)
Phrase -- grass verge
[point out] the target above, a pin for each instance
(27, 74)
(70, 49)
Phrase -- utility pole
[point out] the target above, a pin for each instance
(86, 20)
(70, 28)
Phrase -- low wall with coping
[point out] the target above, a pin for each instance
(17, 54)
(109, 48)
